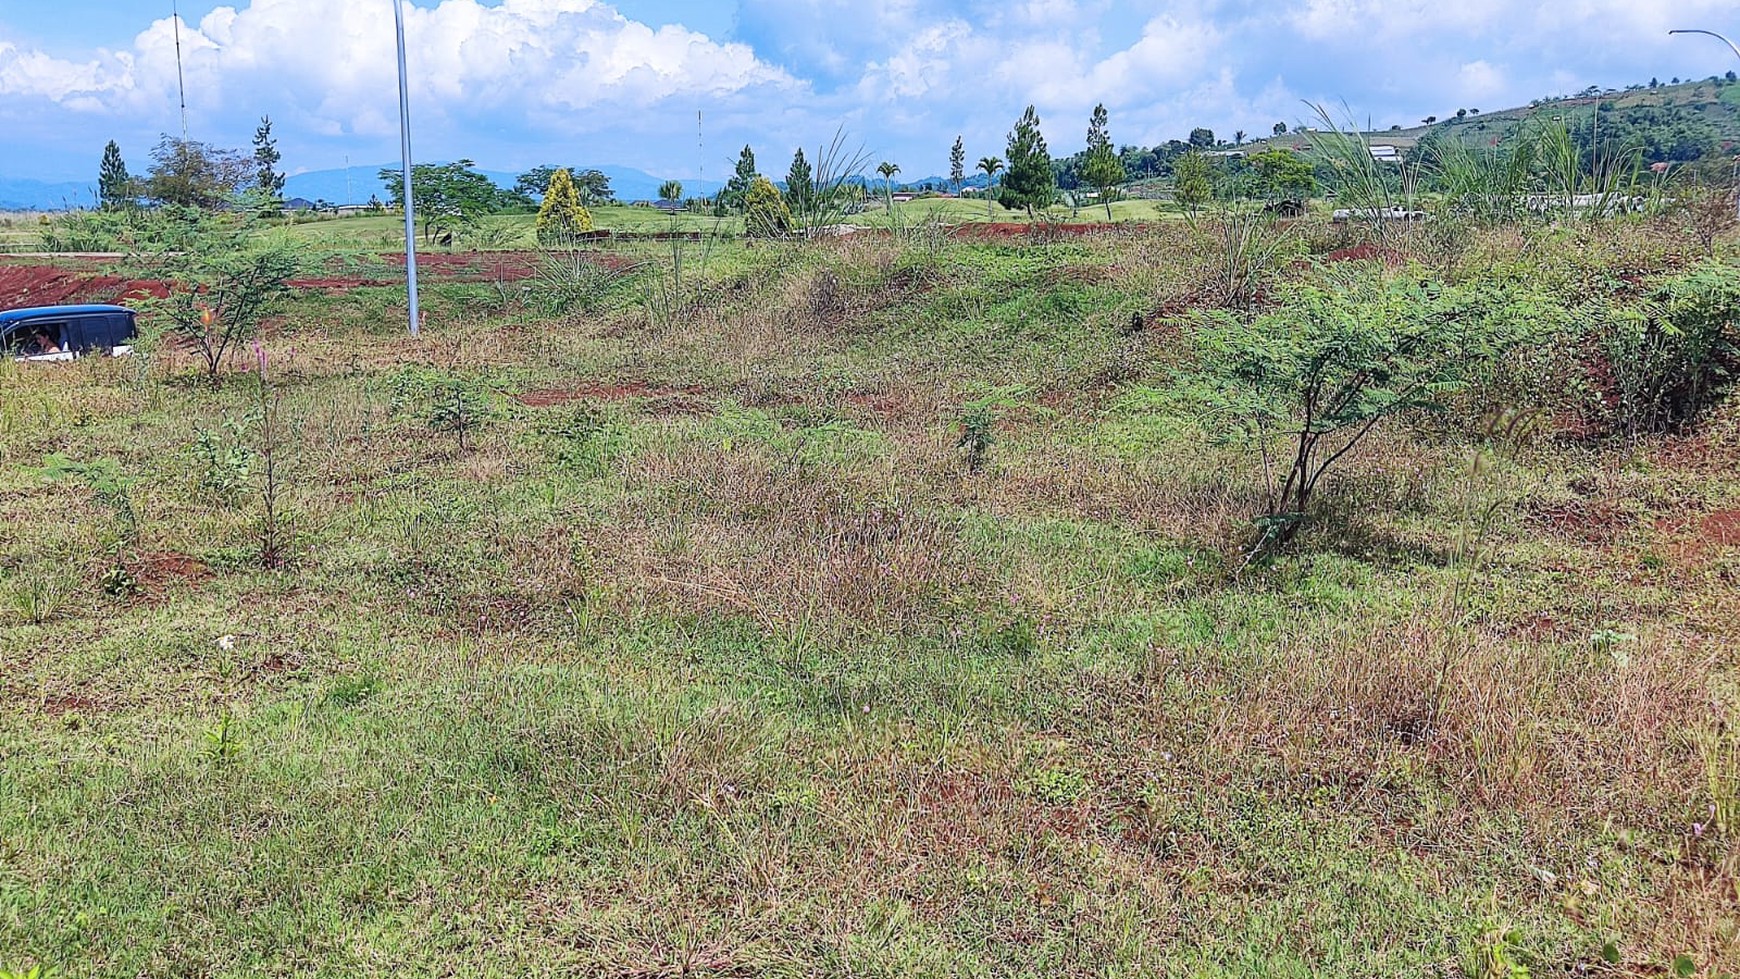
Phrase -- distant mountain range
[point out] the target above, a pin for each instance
(38, 195)
(344, 186)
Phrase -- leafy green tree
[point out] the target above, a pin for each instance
(1307, 382)
(888, 172)
(562, 216)
(1283, 174)
(1191, 185)
(1280, 129)
(447, 195)
(958, 163)
(1202, 138)
(671, 190)
(737, 188)
(1104, 171)
(267, 180)
(115, 186)
(1030, 183)
(800, 184)
(593, 186)
(1239, 138)
(188, 173)
(535, 181)
(990, 166)
(765, 214)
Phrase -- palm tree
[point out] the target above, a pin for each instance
(888, 170)
(992, 166)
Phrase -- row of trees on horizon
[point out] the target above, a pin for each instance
(1025, 177)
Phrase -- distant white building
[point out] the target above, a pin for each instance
(1386, 154)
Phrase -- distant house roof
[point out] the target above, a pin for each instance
(672, 206)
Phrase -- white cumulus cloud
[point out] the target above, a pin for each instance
(328, 67)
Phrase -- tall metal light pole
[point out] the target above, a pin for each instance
(405, 147)
(1736, 49)
(1731, 45)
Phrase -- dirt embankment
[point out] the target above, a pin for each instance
(24, 286)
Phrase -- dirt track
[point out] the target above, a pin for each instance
(76, 279)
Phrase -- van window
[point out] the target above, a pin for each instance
(34, 339)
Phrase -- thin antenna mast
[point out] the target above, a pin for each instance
(180, 80)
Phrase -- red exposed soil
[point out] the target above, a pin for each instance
(61, 705)
(1594, 522)
(1720, 529)
(158, 570)
(24, 286)
(1694, 538)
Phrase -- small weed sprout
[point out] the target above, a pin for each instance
(1500, 955)
(978, 434)
(272, 442)
(35, 596)
(1055, 786)
(111, 485)
(223, 743)
(460, 406)
(225, 462)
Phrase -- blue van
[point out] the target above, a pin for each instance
(66, 332)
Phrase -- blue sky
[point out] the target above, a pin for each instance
(514, 83)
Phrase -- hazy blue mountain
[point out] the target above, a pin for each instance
(354, 186)
(37, 195)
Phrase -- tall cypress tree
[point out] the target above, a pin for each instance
(800, 185)
(958, 163)
(1103, 169)
(1029, 182)
(115, 185)
(738, 186)
(268, 181)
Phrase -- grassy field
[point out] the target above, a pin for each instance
(18, 231)
(671, 634)
(517, 232)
